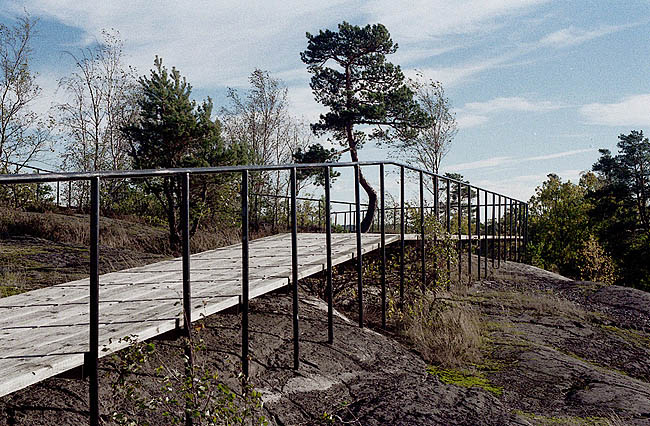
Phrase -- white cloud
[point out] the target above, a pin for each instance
(559, 155)
(465, 121)
(212, 43)
(415, 54)
(216, 43)
(303, 105)
(477, 113)
(481, 164)
(505, 161)
(453, 76)
(428, 18)
(572, 36)
(631, 111)
(515, 103)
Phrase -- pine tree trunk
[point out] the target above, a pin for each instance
(366, 223)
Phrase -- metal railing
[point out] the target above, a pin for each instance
(509, 229)
(40, 170)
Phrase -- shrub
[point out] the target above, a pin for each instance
(192, 389)
(594, 263)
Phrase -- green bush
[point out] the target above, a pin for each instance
(192, 389)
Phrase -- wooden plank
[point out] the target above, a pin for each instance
(43, 332)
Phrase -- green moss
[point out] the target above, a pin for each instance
(567, 421)
(490, 365)
(465, 379)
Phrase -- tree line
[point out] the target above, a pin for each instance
(113, 119)
(597, 229)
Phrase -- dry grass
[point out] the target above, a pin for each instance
(447, 334)
(75, 229)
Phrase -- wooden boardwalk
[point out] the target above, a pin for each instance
(45, 332)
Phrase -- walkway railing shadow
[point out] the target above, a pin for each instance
(490, 225)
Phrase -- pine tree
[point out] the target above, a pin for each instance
(173, 131)
(362, 90)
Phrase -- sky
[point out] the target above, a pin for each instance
(537, 86)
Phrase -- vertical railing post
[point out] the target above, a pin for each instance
(350, 221)
(185, 223)
(357, 226)
(93, 352)
(58, 193)
(499, 235)
(38, 186)
(448, 220)
(485, 255)
(510, 229)
(319, 216)
(402, 226)
(521, 230)
(328, 248)
(516, 230)
(520, 210)
(422, 242)
(187, 291)
(526, 233)
(478, 229)
(493, 228)
(469, 233)
(436, 208)
(436, 197)
(382, 229)
(460, 237)
(294, 269)
(245, 270)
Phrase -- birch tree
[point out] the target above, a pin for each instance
(23, 134)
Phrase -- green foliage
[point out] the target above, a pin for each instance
(627, 175)
(173, 131)
(316, 154)
(597, 230)
(194, 391)
(364, 89)
(353, 79)
(559, 225)
(621, 198)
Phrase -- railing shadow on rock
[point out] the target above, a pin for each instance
(502, 237)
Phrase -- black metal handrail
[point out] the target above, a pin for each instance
(515, 211)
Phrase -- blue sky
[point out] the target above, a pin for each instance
(537, 86)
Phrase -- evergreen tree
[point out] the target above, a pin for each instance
(362, 89)
(173, 131)
(628, 173)
(620, 207)
(315, 154)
